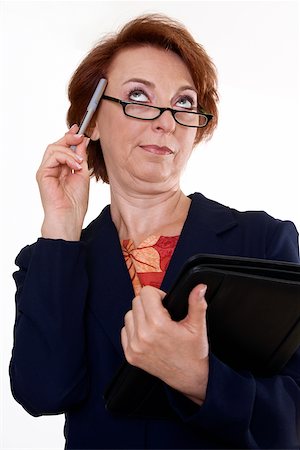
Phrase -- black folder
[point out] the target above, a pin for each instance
(253, 321)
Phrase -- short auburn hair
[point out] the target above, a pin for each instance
(155, 30)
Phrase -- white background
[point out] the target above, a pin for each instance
(252, 162)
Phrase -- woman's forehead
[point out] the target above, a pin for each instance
(148, 63)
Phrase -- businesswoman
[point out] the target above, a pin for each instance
(85, 298)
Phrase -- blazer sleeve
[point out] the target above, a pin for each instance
(244, 411)
(47, 370)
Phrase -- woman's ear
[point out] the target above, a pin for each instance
(93, 131)
(94, 134)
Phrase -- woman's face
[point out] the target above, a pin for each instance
(146, 156)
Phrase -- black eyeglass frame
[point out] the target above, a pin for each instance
(162, 110)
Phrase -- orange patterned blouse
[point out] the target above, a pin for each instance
(147, 263)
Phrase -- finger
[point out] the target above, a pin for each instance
(138, 310)
(127, 346)
(124, 339)
(59, 158)
(69, 136)
(52, 149)
(129, 325)
(81, 148)
(73, 129)
(154, 311)
(196, 317)
(73, 139)
(139, 320)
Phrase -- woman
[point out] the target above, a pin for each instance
(86, 298)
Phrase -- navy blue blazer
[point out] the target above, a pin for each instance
(71, 300)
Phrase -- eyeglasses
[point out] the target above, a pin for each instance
(146, 112)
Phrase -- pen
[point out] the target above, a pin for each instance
(91, 108)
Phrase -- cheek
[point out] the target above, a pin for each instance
(119, 137)
(187, 145)
(106, 122)
(116, 127)
(192, 138)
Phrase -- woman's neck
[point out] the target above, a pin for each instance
(138, 216)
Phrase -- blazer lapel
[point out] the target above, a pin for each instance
(202, 233)
(111, 291)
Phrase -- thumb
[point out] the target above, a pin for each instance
(196, 317)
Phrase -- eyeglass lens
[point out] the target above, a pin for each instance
(146, 112)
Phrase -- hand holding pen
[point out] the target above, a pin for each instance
(91, 108)
(65, 194)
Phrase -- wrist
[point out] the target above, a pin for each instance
(196, 391)
(56, 228)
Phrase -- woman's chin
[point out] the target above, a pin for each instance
(157, 177)
(145, 179)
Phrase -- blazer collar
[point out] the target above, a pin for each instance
(210, 214)
(111, 291)
(207, 220)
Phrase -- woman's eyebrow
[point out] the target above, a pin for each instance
(140, 80)
(189, 87)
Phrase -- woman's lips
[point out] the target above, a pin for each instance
(157, 150)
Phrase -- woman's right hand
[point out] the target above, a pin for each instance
(63, 178)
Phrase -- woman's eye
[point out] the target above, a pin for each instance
(138, 96)
(185, 102)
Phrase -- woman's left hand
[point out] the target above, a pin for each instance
(175, 352)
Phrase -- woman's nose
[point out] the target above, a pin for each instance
(165, 122)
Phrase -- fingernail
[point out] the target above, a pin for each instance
(202, 292)
(78, 136)
(73, 127)
(78, 157)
